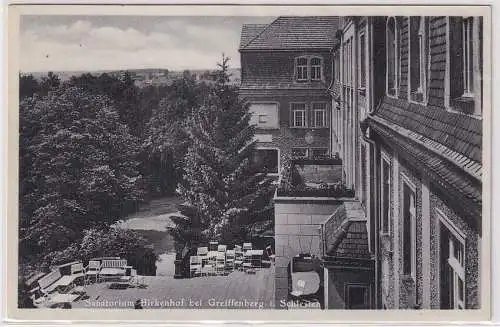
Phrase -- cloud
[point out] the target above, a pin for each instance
(174, 44)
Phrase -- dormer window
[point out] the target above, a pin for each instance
(308, 68)
(315, 69)
(302, 69)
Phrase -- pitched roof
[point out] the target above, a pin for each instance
(461, 134)
(462, 191)
(288, 33)
(350, 236)
(249, 31)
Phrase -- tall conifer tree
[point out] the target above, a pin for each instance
(223, 189)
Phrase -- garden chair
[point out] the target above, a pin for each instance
(247, 262)
(220, 264)
(221, 248)
(92, 270)
(195, 265)
(247, 246)
(230, 257)
(208, 266)
(238, 258)
(202, 251)
(212, 246)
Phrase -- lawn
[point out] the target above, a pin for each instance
(151, 221)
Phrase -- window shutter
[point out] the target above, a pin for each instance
(290, 113)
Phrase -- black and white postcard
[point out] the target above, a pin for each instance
(252, 162)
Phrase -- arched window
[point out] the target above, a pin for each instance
(392, 45)
(316, 69)
(418, 58)
(301, 69)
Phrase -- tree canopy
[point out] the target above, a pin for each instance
(78, 167)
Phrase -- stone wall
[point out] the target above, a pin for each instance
(297, 230)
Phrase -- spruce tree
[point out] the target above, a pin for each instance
(223, 189)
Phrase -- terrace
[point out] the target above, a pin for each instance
(310, 190)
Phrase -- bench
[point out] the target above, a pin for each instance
(52, 281)
(112, 268)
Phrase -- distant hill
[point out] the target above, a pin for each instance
(143, 76)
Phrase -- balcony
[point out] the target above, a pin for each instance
(313, 177)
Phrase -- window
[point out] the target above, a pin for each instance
(362, 63)
(301, 69)
(418, 58)
(392, 56)
(357, 296)
(319, 112)
(465, 44)
(319, 152)
(409, 231)
(385, 177)
(452, 264)
(266, 160)
(316, 69)
(299, 152)
(298, 114)
(264, 115)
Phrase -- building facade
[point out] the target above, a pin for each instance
(407, 123)
(286, 69)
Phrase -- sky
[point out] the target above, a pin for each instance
(76, 43)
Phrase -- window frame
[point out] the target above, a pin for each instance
(457, 267)
(423, 54)
(292, 115)
(461, 101)
(362, 80)
(348, 286)
(320, 68)
(397, 57)
(306, 71)
(323, 111)
(385, 222)
(405, 181)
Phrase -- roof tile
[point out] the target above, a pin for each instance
(298, 32)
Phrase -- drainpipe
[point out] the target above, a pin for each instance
(373, 208)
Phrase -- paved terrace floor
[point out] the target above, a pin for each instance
(237, 290)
